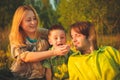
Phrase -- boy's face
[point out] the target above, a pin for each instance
(57, 38)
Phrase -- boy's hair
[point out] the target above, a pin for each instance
(87, 29)
(55, 27)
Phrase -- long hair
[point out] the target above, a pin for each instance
(87, 29)
(17, 35)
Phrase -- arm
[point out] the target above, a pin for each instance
(48, 74)
(31, 57)
(28, 56)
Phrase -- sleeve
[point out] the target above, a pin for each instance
(113, 53)
(46, 63)
(16, 50)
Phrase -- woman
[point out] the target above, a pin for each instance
(91, 63)
(28, 43)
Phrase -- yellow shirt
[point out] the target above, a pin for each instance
(102, 64)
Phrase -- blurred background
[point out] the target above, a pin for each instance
(104, 13)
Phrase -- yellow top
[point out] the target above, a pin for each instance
(102, 64)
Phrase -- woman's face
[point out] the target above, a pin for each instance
(79, 40)
(29, 22)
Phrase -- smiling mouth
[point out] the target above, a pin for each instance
(32, 27)
(59, 44)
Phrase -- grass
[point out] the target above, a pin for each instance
(109, 40)
(4, 40)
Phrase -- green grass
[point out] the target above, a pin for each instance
(109, 40)
(4, 40)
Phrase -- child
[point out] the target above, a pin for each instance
(56, 67)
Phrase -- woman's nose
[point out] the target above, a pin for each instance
(32, 22)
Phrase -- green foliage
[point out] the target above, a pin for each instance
(80, 10)
(7, 8)
(109, 40)
(112, 21)
(44, 9)
(5, 59)
(99, 12)
(5, 63)
(4, 40)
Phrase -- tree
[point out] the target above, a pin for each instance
(112, 21)
(71, 11)
(7, 9)
(44, 9)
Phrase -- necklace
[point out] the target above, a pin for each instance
(31, 40)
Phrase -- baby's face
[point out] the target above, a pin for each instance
(57, 38)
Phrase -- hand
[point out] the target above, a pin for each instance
(61, 50)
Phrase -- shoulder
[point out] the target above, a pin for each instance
(42, 30)
(110, 52)
(16, 50)
(42, 33)
(108, 49)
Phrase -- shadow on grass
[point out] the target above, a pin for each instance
(5, 74)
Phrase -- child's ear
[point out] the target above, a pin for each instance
(50, 42)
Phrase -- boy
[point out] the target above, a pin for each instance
(56, 67)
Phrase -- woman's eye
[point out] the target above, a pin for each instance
(34, 18)
(28, 20)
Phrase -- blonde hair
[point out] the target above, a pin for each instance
(17, 35)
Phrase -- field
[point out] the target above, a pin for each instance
(109, 40)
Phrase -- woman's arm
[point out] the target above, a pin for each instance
(38, 56)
